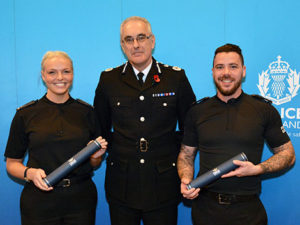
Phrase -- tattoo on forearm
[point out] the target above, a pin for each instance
(284, 156)
(185, 162)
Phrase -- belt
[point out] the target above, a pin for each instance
(67, 182)
(227, 199)
(143, 144)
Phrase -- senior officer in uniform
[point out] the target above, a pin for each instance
(142, 101)
(221, 127)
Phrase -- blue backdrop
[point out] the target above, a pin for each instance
(187, 33)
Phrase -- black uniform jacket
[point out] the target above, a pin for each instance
(141, 165)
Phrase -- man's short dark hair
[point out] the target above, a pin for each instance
(230, 48)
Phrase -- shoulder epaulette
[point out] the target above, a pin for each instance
(27, 105)
(262, 99)
(112, 68)
(108, 69)
(176, 68)
(201, 100)
(83, 103)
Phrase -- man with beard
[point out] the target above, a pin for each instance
(221, 127)
(142, 100)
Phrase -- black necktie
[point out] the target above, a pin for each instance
(140, 76)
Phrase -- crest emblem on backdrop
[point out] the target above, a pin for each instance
(279, 82)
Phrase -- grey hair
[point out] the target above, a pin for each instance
(135, 18)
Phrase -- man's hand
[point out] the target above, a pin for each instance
(245, 169)
(189, 194)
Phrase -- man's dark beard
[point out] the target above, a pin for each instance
(230, 91)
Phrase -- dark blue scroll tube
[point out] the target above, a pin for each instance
(59, 173)
(217, 172)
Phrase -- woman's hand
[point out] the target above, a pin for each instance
(16, 168)
(36, 176)
(96, 158)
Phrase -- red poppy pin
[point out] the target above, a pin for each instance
(156, 78)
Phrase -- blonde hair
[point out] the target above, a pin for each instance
(52, 54)
(135, 18)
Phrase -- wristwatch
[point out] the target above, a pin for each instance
(25, 174)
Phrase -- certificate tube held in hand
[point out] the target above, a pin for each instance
(59, 173)
(217, 172)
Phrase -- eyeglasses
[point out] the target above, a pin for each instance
(129, 40)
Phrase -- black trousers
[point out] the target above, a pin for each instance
(122, 215)
(77, 218)
(74, 205)
(208, 211)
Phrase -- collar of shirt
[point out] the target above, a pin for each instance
(145, 71)
(232, 100)
(45, 99)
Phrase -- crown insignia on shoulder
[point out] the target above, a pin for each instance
(201, 100)
(27, 104)
(112, 68)
(109, 69)
(176, 68)
(83, 103)
(262, 99)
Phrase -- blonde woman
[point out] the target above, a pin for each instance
(53, 129)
